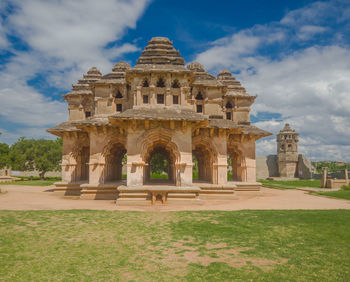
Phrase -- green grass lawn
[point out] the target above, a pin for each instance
(293, 184)
(30, 182)
(341, 194)
(192, 246)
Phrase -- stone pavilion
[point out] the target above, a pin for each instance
(159, 106)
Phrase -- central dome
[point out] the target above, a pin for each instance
(160, 51)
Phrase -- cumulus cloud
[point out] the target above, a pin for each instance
(59, 41)
(307, 85)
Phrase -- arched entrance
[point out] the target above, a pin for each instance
(82, 158)
(160, 166)
(115, 159)
(204, 161)
(238, 170)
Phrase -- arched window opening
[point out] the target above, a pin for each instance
(159, 167)
(161, 82)
(176, 84)
(199, 96)
(203, 164)
(229, 168)
(82, 169)
(228, 105)
(119, 95)
(237, 169)
(145, 83)
(194, 168)
(115, 168)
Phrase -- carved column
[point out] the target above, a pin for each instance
(138, 95)
(168, 96)
(97, 159)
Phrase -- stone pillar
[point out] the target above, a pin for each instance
(135, 166)
(97, 159)
(152, 94)
(138, 96)
(222, 170)
(69, 163)
(168, 101)
(68, 170)
(135, 170)
(184, 170)
(324, 178)
(220, 164)
(183, 167)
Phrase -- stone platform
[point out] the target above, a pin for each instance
(8, 178)
(161, 192)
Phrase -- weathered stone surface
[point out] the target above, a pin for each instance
(288, 163)
(159, 106)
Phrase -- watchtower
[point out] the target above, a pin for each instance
(287, 152)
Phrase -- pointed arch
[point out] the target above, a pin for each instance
(175, 84)
(161, 82)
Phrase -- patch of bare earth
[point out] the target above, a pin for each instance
(179, 256)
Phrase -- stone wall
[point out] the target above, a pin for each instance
(36, 173)
(267, 166)
(305, 169)
(5, 172)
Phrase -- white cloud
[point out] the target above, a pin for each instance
(22, 104)
(74, 31)
(308, 31)
(64, 38)
(309, 87)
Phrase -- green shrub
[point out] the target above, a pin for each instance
(345, 187)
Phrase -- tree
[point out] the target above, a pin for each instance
(21, 154)
(42, 155)
(47, 155)
(159, 164)
(4, 155)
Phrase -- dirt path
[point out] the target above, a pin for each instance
(43, 198)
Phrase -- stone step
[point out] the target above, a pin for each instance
(181, 195)
(248, 188)
(207, 191)
(217, 188)
(221, 197)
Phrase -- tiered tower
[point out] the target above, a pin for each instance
(287, 152)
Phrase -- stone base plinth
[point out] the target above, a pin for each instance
(68, 189)
(247, 186)
(99, 191)
(217, 191)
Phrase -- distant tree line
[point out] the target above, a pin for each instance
(331, 165)
(32, 154)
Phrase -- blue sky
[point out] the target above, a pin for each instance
(294, 54)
